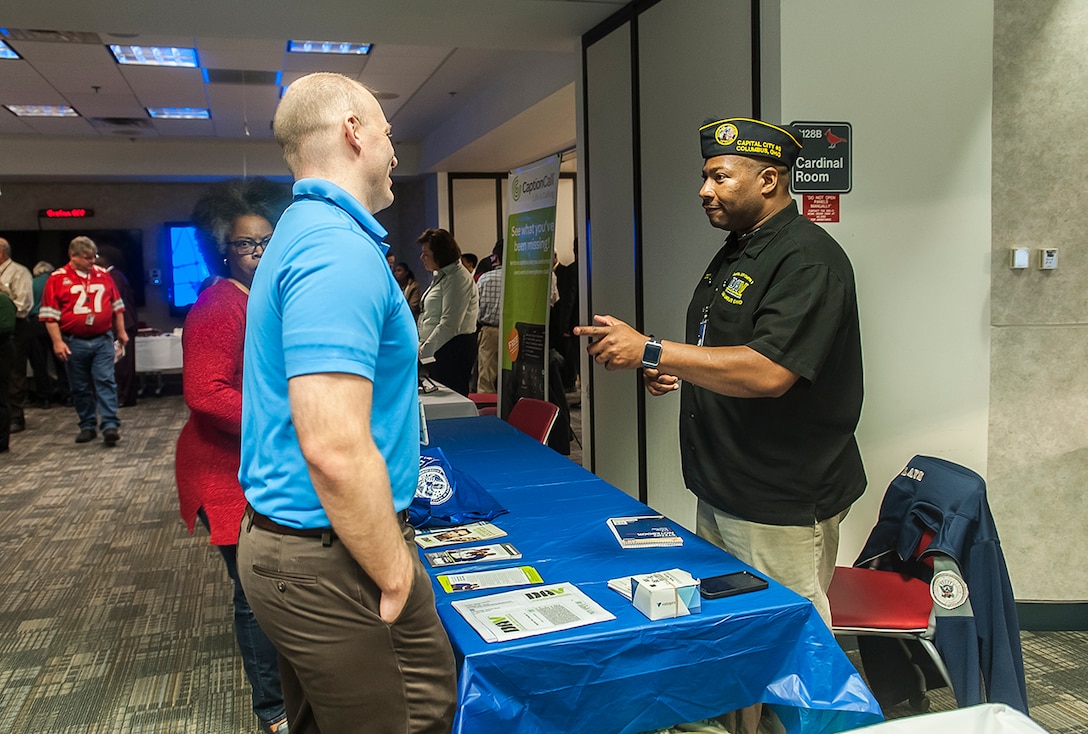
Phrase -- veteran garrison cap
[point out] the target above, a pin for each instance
(751, 138)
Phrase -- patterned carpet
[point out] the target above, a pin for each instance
(114, 620)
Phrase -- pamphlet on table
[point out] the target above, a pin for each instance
(644, 531)
(520, 576)
(471, 533)
(512, 615)
(661, 595)
(475, 554)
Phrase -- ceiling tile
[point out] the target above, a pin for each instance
(185, 128)
(68, 53)
(242, 53)
(166, 87)
(78, 78)
(106, 105)
(10, 124)
(59, 125)
(307, 63)
(20, 83)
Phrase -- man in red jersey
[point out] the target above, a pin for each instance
(80, 304)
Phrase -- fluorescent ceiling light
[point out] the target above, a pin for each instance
(327, 47)
(155, 56)
(7, 52)
(41, 110)
(179, 113)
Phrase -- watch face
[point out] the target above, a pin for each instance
(651, 354)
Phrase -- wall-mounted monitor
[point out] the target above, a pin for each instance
(187, 269)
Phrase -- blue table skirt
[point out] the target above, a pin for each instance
(628, 674)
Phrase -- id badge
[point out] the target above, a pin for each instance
(89, 320)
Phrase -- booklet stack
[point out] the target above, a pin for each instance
(644, 531)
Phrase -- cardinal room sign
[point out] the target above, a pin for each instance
(824, 164)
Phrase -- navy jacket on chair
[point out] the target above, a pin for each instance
(976, 631)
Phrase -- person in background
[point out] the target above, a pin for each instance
(124, 369)
(38, 350)
(234, 222)
(409, 286)
(80, 304)
(469, 261)
(489, 262)
(330, 438)
(490, 320)
(447, 325)
(15, 282)
(564, 319)
(7, 356)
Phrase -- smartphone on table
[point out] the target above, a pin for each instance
(730, 584)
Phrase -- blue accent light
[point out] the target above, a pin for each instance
(155, 56)
(7, 52)
(328, 47)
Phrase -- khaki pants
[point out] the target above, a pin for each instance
(343, 669)
(488, 361)
(801, 558)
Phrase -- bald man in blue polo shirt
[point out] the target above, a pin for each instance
(330, 438)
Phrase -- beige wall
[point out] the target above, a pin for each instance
(1038, 437)
(914, 81)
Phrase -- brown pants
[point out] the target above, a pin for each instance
(343, 669)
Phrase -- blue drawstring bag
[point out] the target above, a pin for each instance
(446, 496)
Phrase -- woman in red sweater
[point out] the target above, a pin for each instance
(234, 223)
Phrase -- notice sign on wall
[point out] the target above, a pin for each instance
(821, 207)
(824, 164)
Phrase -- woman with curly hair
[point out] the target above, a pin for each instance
(234, 222)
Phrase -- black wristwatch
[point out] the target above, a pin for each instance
(651, 353)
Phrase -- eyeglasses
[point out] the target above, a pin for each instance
(247, 246)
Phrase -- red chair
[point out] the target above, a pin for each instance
(534, 417)
(484, 400)
(867, 602)
(488, 410)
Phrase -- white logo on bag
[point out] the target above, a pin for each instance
(434, 485)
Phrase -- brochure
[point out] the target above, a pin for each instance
(512, 615)
(471, 533)
(476, 554)
(520, 576)
(675, 576)
(644, 531)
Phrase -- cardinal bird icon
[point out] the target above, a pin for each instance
(833, 139)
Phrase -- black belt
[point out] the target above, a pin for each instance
(85, 338)
(327, 535)
(266, 523)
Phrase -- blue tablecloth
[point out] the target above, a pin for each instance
(628, 674)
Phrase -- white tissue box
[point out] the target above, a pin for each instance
(666, 594)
